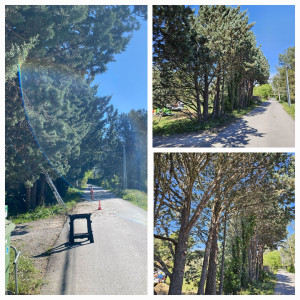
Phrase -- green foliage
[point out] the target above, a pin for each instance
(231, 282)
(29, 279)
(273, 259)
(172, 125)
(86, 177)
(286, 61)
(59, 50)
(212, 53)
(136, 197)
(265, 286)
(264, 91)
(289, 109)
(291, 269)
(43, 213)
(71, 198)
(287, 252)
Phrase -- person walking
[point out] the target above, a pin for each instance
(92, 193)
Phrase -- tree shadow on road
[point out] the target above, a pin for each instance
(259, 110)
(20, 230)
(235, 135)
(284, 285)
(62, 247)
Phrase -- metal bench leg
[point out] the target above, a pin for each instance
(90, 232)
(71, 236)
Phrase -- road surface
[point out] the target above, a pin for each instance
(115, 264)
(268, 125)
(285, 283)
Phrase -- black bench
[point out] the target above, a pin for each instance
(88, 235)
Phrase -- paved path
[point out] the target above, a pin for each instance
(115, 264)
(285, 283)
(266, 126)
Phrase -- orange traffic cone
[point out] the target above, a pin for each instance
(99, 207)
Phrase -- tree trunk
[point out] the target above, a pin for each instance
(41, 193)
(197, 100)
(28, 198)
(222, 99)
(259, 259)
(205, 261)
(33, 196)
(223, 258)
(179, 264)
(253, 259)
(206, 95)
(217, 98)
(181, 250)
(210, 288)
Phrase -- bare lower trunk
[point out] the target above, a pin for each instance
(206, 94)
(222, 99)
(210, 288)
(28, 198)
(180, 252)
(223, 259)
(197, 99)
(33, 196)
(205, 262)
(41, 193)
(217, 98)
(259, 259)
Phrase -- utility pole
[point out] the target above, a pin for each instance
(287, 86)
(124, 169)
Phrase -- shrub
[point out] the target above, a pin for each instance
(273, 259)
(291, 269)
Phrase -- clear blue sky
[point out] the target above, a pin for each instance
(126, 78)
(274, 29)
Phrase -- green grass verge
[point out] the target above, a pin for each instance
(170, 125)
(289, 109)
(42, 212)
(136, 197)
(265, 287)
(29, 278)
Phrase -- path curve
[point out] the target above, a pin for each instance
(285, 283)
(268, 125)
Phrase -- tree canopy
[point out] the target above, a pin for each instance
(208, 60)
(245, 199)
(55, 121)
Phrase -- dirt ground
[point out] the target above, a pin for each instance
(161, 289)
(36, 239)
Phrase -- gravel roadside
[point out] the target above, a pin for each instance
(36, 239)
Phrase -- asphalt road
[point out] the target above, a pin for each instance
(115, 264)
(285, 283)
(266, 126)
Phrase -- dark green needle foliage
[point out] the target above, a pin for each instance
(59, 50)
(209, 60)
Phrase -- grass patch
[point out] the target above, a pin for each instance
(173, 125)
(289, 109)
(29, 278)
(136, 197)
(42, 212)
(264, 287)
